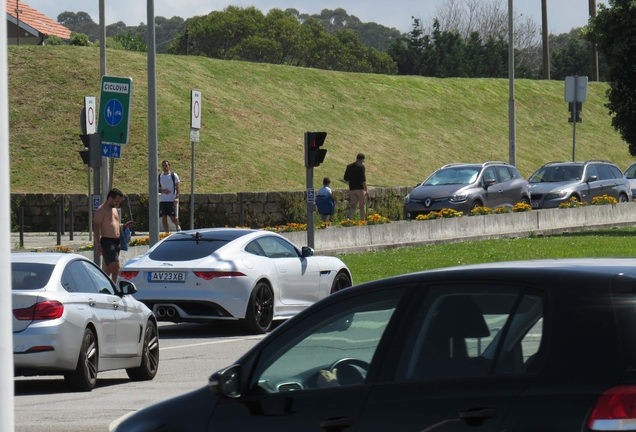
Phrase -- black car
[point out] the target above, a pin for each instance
(519, 346)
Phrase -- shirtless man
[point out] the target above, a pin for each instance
(107, 229)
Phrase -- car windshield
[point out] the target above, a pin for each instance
(186, 248)
(454, 175)
(559, 173)
(26, 276)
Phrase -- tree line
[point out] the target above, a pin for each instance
(466, 39)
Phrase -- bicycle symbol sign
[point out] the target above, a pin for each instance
(114, 112)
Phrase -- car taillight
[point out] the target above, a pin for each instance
(40, 311)
(615, 410)
(207, 275)
(127, 274)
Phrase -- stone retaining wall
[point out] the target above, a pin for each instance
(254, 209)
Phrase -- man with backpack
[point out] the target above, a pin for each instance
(169, 189)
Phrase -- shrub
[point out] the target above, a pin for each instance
(79, 39)
(521, 207)
(604, 200)
(477, 211)
(376, 219)
(573, 203)
(502, 210)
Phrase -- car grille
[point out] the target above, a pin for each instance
(536, 197)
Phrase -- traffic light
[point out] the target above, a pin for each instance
(314, 155)
(93, 142)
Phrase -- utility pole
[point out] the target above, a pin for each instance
(593, 51)
(512, 133)
(102, 71)
(546, 39)
(153, 155)
(17, 18)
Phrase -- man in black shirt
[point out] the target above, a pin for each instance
(358, 191)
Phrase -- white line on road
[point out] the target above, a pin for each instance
(211, 343)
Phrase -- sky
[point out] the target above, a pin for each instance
(563, 15)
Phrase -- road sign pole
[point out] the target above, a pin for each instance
(574, 117)
(96, 191)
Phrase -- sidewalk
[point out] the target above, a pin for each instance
(48, 241)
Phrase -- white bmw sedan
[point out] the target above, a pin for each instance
(232, 274)
(70, 319)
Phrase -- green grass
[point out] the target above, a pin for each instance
(602, 243)
(254, 116)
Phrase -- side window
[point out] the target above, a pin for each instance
(604, 172)
(333, 347)
(523, 337)
(631, 172)
(456, 332)
(514, 173)
(254, 248)
(104, 284)
(504, 174)
(592, 171)
(277, 248)
(76, 279)
(617, 173)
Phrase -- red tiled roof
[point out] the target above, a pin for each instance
(37, 20)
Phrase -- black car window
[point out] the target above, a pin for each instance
(591, 171)
(254, 248)
(26, 276)
(617, 173)
(334, 346)
(454, 175)
(275, 247)
(455, 332)
(103, 282)
(631, 172)
(514, 173)
(604, 172)
(523, 336)
(504, 174)
(76, 279)
(186, 248)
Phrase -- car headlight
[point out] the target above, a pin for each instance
(459, 198)
(407, 199)
(556, 195)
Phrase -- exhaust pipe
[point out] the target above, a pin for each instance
(161, 312)
(171, 312)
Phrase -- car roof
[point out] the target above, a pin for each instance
(43, 257)
(228, 234)
(519, 271)
(579, 163)
(474, 165)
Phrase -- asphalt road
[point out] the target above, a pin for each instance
(189, 354)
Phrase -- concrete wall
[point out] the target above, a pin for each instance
(414, 233)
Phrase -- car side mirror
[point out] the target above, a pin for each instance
(127, 288)
(226, 382)
(591, 179)
(489, 182)
(306, 251)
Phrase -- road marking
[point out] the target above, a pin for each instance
(211, 343)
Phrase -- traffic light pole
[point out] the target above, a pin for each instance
(96, 191)
(310, 208)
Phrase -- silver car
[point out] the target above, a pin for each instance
(558, 182)
(70, 319)
(630, 175)
(463, 187)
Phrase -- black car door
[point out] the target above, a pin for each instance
(463, 362)
(314, 375)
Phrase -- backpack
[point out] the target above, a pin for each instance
(325, 204)
(174, 185)
(124, 238)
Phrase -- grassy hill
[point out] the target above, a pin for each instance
(254, 117)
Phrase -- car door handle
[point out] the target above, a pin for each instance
(482, 413)
(115, 305)
(91, 302)
(337, 424)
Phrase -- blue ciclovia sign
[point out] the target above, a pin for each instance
(114, 112)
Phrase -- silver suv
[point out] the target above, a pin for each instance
(462, 187)
(558, 182)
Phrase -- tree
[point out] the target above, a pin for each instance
(614, 32)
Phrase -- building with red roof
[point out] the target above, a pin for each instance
(26, 26)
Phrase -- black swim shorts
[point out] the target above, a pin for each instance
(110, 249)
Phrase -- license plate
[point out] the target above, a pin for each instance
(166, 276)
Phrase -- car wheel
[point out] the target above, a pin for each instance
(84, 377)
(622, 198)
(476, 204)
(260, 309)
(149, 357)
(341, 282)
